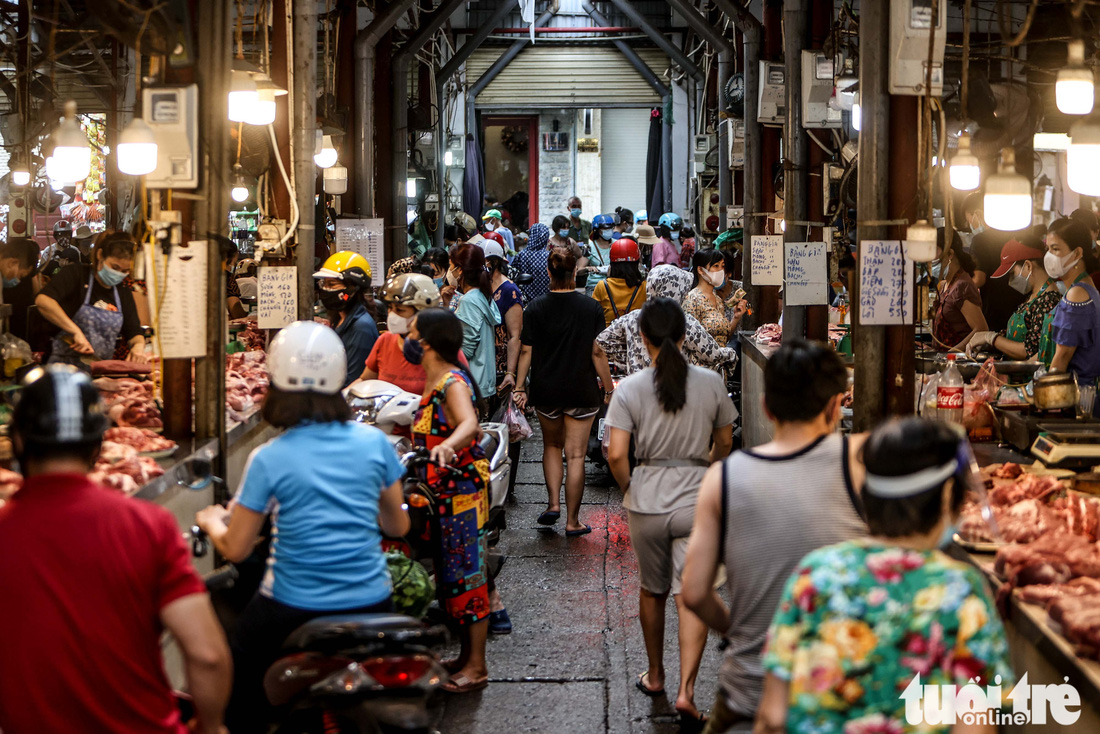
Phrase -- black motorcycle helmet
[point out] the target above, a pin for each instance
(58, 410)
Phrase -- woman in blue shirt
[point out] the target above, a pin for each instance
(333, 488)
(479, 316)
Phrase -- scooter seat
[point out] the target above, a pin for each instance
(489, 444)
(339, 632)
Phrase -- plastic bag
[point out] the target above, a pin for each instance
(928, 407)
(15, 352)
(511, 416)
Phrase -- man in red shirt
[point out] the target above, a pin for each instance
(91, 579)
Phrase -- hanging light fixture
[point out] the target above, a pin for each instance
(857, 113)
(920, 241)
(20, 171)
(335, 180)
(1083, 157)
(243, 96)
(1075, 87)
(327, 155)
(239, 192)
(263, 111)
(1007, 204)
(72, 156)
(965, 171)
(137, 149)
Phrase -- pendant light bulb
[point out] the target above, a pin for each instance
(965, 171)
(920, 241)
(1007, 205)
(335, 180)
(1075, 88)
(243, 96)
(20, 171)
(72, 156)
(1083, 157)
(136, 154)
(857, 113)
(239, 192)
(263, 112)
(327, 157)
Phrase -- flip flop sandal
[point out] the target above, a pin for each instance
(461, 684)
(691, 724)
(641, 686)
(452, 666)
(549, 517)
(574, 533)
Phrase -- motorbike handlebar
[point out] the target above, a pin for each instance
(422, 457)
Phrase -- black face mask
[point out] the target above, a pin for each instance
(336, 300)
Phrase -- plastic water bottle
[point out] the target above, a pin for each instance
(949, 393)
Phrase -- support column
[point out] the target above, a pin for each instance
(766, 310)
(869, 342)
(305, 136)
(796, 155)
(900, 360)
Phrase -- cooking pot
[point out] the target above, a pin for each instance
(1055, 391)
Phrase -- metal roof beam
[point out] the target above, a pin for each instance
(628, 9)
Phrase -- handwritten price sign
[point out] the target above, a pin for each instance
(365, 237)
(276, 297)
(885, 283)
(766, 257)
(807, 274)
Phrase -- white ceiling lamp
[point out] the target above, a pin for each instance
(263, 81)
(136, 154)
(239, 192)
(1007, 205)
(1075, 87)
(263, 112)
(243, 96)
(965, 171)
(72, 156)
(335, 180)
(1083, 157)
(857, 113)
(20, 171)
(327, 156)
(920, 241)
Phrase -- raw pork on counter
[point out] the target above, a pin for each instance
(245, 383)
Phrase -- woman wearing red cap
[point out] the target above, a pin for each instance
(623, 290)
(1022, 260)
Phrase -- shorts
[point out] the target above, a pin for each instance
(580, 414)
(660, 542)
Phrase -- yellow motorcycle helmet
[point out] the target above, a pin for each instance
(350, 267)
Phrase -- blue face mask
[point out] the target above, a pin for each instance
(947, 537)
(563, 233)
(413, 351)
(438, 282)
(110, 277)
(11, 282)
(616, 235)
(576, 213)
(674, 235)
(605, 234)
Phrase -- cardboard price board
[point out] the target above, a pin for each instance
(806, 274)
(885, 283)
(276, 296)
(179, 288)
(767, 259)
(364, 236)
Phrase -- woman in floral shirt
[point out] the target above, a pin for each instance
(859, 620)
(704, 303)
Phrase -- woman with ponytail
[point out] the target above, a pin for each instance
(681, 420)
(479, 315)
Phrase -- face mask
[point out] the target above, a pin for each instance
(1019, 283)
(413, 351)
(451, 280)
(397, 324)
(936, 269)
(110, 277)
(438, 282)
(11, 282)
(616, 235)
(489, 227)
(334, 300)
(674, 235)
(947, 536)
(576, 213)
(716, 278)
(1058, 266)
(563, 233)
(975, 231)
(605, 234)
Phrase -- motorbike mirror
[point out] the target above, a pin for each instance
(523, 278)
(195, 473)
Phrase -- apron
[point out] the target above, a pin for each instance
(101, 327)
(1017, 324)
(1046, 341)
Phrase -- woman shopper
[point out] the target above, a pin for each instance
(604, 231)
(344, 282)
(532, 261)
(681, 419)
(405, 296)
(92, 308)
(703, 301)
(624, 289)
(479, 315)
(667, 249)
(326, 555)
(447, 425)
(1023, 258)
(562, 224)
(567, 368)
(869, 616)
(958, 314)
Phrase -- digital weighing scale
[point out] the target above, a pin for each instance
(1068, 445)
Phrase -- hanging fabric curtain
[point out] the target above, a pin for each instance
(654, 175)
(473, 178)
(527, 12)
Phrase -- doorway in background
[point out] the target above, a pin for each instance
(512, 165)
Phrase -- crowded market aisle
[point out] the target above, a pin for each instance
(571, 663)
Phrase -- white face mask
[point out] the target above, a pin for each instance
(451, 280)
(397, 324)
(489, 227)
(1056, 266)
(1019, 283)
(717, 278)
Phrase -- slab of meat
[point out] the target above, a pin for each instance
(1008, 470)
(135, 412)
(113, 452)
(140, 439)
(245, 383)
(769, 334)
(120, 367)
(128, 475)
(1025, 486)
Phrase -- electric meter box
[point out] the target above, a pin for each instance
(772, 95)
(910, 24)
(817, 90)
(703, 144)
(173, 114)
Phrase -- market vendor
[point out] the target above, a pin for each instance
(91, 308)
(1072, 342)
(230, 255)
(1022, 257)
(343, 279)
(959, 306)
(18, 262)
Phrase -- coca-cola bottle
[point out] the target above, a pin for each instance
(949, 393)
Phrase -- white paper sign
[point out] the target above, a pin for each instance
(767, 259)
(807, 274)
(885, 283)
(178, 299)
(365, 237)
(276, 296)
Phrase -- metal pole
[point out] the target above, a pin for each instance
(305, 136)
(869, 342)
(364, 102)
(674, 53)
(753, 195)
(796, 29)
(666, 152)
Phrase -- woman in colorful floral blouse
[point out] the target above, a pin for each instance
(704, 303)
(859, 620)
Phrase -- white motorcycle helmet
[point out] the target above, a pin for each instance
(307, 357)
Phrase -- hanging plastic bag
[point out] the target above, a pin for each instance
(511, 416)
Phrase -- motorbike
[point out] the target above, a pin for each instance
(342, 673)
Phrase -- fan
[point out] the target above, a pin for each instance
(733, 96)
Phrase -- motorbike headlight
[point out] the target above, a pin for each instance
(366, 410)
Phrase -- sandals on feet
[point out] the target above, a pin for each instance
(692, 723)
(579, 531)
(641, 686)
(462, 684)
(549, 517)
